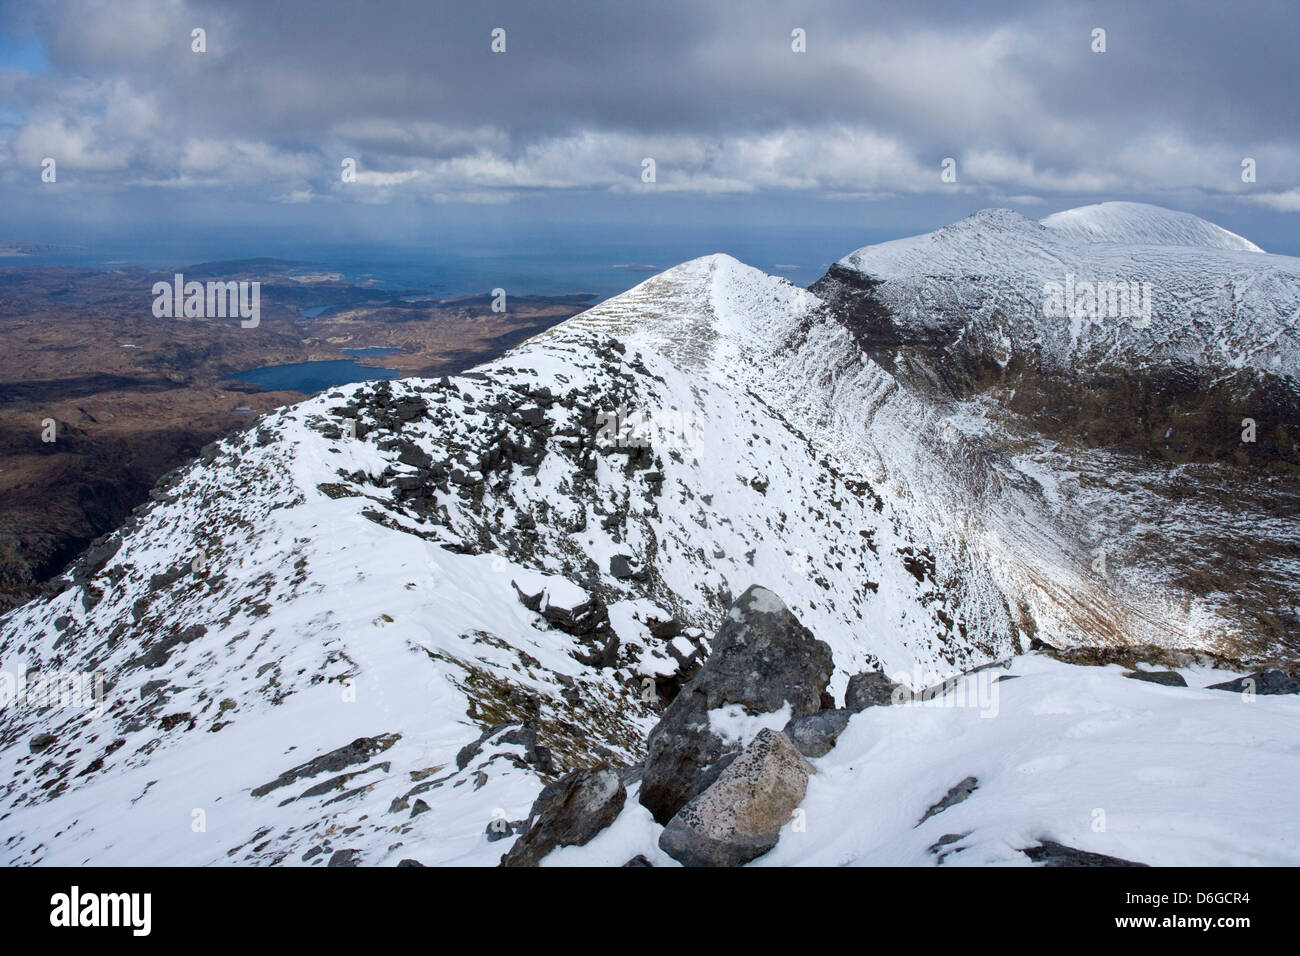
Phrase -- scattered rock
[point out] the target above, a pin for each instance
(1167, 678)
(869, 689)
(410, 862)
(739, 817)
(940, 847)
(359, 751)
(813, 735)
(500, 828)
(569, 812)
(42, 742)
(571, 609)
(638, 860)
(953, 797)
(536, 755)
(1050, 853)
(345, 858)
(762, 659)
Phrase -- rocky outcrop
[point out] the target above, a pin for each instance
(535, 755)
(1050, 853)
(1263, 682)
(571, 609)
(762, 659)
(359, 751)
(739, 817)
(569, 812)
(955, 795)
(1167, 678)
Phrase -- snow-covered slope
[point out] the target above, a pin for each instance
(1142, 224)
(374, 587)
(1078, 756)
(380, 619)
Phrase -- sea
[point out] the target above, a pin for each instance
(602, 260)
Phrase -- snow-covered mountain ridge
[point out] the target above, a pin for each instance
(377, 587)
(391, 572)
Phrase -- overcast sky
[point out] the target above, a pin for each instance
(148, 134)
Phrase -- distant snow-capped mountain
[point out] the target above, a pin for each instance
(1141, 224)
(992, 287)
(378, 621)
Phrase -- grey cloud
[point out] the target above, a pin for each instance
(713, 91)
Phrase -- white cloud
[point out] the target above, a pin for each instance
(1288, 201)
(372, 178)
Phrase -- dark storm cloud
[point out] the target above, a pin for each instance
(712, 91)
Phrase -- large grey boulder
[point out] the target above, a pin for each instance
(569, 812)
(739, 817)
(762, 659)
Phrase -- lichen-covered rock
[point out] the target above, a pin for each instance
(740, 816)
(762, 659)
(569, 812)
